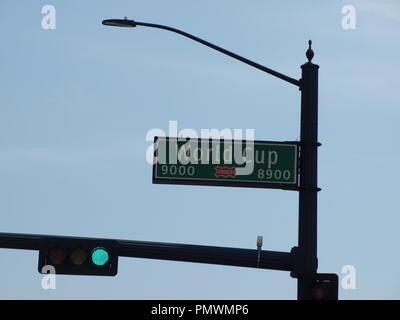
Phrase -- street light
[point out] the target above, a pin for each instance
(131, 23)
(120, 23)
(306, 263)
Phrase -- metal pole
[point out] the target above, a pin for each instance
(307, 248)
(237, 257)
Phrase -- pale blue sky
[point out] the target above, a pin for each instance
(76, 104)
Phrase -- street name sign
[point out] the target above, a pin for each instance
(235, 163)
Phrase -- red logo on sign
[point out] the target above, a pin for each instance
(225, 172)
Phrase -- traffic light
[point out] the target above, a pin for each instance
(324, 286)
(79, 256)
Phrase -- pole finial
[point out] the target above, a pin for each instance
(310, 52)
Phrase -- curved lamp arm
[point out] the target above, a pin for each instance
(132, 23)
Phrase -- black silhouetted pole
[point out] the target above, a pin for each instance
(307, 250)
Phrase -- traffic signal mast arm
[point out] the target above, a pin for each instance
(207, 254)
(168, 251)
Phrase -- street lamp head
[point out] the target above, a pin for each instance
(120, 23)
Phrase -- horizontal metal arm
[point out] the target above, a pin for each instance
(171, 251)
(206, 254)
(224, 51)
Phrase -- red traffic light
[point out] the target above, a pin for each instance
(56, 255)
(324, 286)
(318, 292)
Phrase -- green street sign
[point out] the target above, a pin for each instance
(233, 163)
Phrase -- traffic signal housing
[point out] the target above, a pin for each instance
(324, 286)
(79, 256)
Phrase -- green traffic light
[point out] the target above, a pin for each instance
(99, 256)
